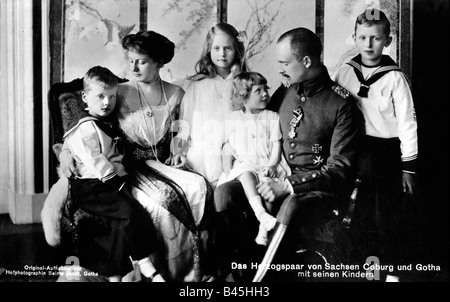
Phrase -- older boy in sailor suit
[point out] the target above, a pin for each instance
(389, 147)
(320, 123)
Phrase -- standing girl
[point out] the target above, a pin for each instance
(206, 103)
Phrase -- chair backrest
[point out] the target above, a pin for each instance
(66, 107)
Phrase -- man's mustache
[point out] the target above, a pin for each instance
(286, 81)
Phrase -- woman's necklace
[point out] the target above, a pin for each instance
(140, 91)
(149, 113)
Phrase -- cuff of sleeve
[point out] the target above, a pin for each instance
(109, 177)
(289, 187)
(409, 172)
(409, 166)
(116, 182)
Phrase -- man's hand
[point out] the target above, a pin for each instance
(409, 183)
(272, 189)
(67, 163)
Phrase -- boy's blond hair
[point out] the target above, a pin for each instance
(374, 16)
(99, 75)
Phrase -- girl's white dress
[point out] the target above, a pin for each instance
(204, 113)
(252, 138)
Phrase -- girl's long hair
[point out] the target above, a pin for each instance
(205, 67)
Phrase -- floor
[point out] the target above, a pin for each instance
(25, 256)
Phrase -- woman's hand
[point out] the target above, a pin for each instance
(227, 158)
(270, 171)
(67, 163)
(227, 164)
(178, 161)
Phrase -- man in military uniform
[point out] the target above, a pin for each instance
(320, 124)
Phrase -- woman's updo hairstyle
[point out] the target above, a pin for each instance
(156, 46)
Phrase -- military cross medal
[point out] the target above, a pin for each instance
(316, 148)
(298, 115)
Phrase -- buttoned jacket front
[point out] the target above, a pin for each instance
(321, 148)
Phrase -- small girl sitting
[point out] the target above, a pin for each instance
(253, 148)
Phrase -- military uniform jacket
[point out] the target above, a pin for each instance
(322, 152)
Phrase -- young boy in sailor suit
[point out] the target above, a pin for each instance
(388, 157)
(101, 189)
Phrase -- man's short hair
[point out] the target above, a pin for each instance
(374, 16)
(304, 42)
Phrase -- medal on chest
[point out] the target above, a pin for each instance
(297, 116)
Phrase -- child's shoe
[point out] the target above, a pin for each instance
(149, 271)
(262, 238)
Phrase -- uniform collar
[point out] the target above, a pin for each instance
(314, 85)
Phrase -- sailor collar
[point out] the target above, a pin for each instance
(105, 125)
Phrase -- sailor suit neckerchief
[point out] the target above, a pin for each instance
(386, 65)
